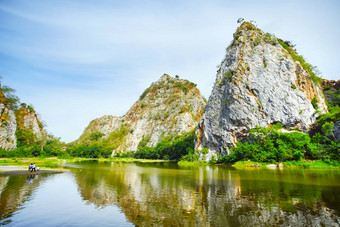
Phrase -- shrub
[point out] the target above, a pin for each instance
(96, 135)
(170, 148)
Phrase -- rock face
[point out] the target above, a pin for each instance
(257, 84)
(169, 106)
(8, 125)
(27, 119)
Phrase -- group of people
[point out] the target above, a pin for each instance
(31, 168)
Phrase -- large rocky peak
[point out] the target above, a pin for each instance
(258, 84)
(168, 106)
(7, 124)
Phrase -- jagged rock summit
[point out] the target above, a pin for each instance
(169, 106)
(260, 82)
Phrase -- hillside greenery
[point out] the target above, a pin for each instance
(170, 148)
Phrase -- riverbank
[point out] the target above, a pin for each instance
(20, 170)
(54, 162)
(318, 164)
(57, 163)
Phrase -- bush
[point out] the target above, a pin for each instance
(266, 145)
(170, 148)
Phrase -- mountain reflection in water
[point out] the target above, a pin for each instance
(166, 194)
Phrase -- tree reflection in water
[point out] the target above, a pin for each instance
(14, 191)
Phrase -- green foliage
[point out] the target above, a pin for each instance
(12, 100)
(143, 105)
(332, 115)
(89, 151)
(25, 137)
(170, 148)
(144, 141)
(293, 86)
(266, 145)
(182, 87)
(327, 128)
(32, 150)
(268, 38)
(315, 102)
(53, 147)
(96, 135)
(116, 138)
(257, 40)
(144, 93)
(312, 70)
(332, 97)
(227, 76)
(276, 126)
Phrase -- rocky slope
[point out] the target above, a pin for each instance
(258, 84)
(27, 119)
(169, 106)
(8, 125)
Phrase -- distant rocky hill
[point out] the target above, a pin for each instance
(260, 82)
(22, 122)
(169, 106)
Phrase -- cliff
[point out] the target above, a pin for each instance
(28, 120)
(8, 124)
(260, 82)
(169, 106)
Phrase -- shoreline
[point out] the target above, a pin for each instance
(20, 170)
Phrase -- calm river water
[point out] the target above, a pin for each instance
(164, 194)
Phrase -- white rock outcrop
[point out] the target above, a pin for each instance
(8, 127)
(257, 84)
(27, 119)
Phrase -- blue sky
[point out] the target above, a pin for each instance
(78, 60)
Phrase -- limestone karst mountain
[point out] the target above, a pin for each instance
(169, 106)
(14, 123)
(260, 82)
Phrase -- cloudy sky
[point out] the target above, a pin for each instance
(78, 60)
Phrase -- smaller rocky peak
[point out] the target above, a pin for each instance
(27, 119)
(246, 26)
(167, 84)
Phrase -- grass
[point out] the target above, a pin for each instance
(42, 162)
(193, 163)
(318, 164)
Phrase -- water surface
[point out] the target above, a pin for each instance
(127, 194)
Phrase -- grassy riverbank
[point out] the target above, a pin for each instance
(55, 162)
(318, 164)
